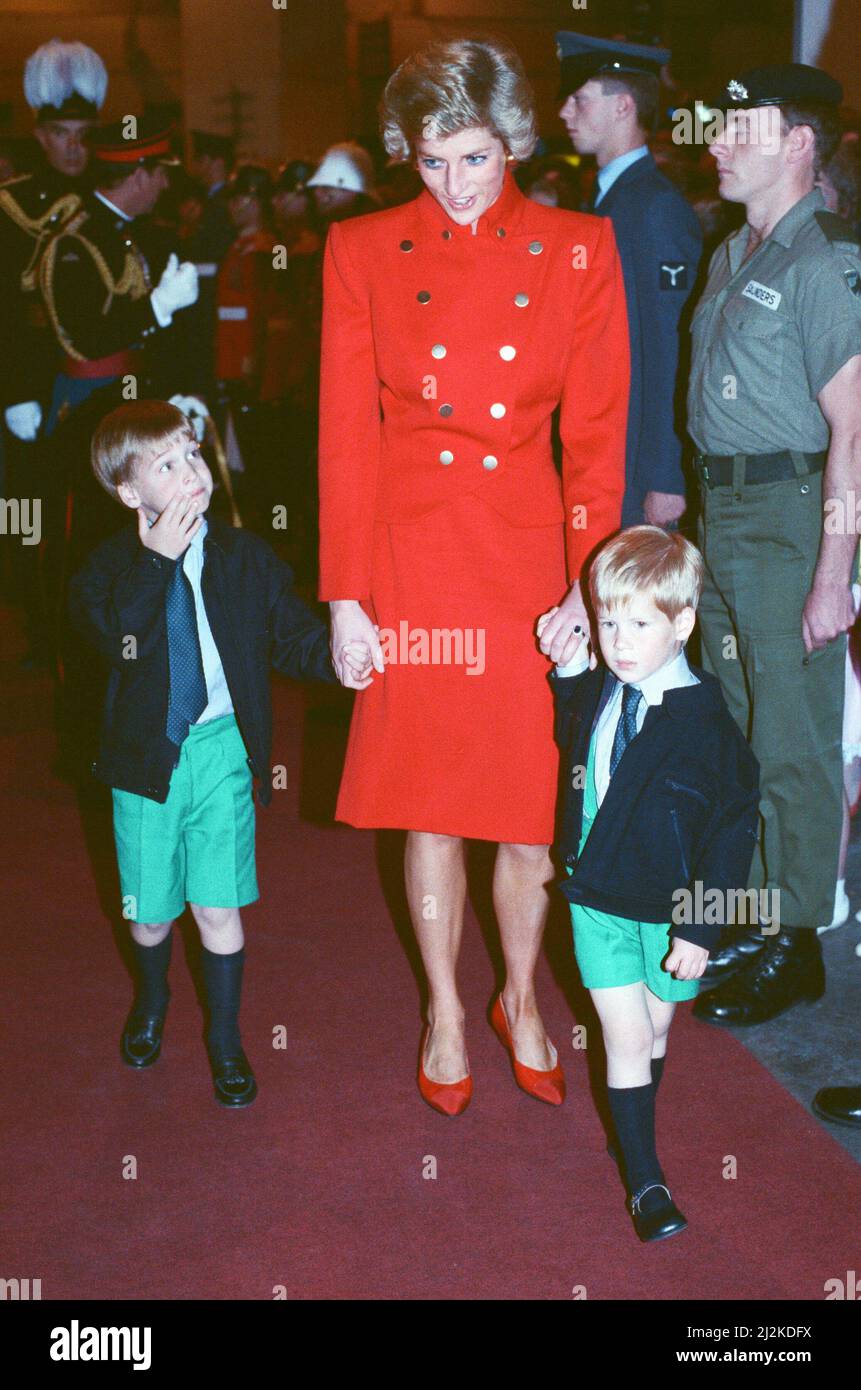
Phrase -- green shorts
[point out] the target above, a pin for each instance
(198, 846)
(614, 951)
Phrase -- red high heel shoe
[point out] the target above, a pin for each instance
(449, 1098)
(548, 1086)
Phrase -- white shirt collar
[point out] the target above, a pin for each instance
(197, 540)
(113, 207)
(673, 674)
(609, 174)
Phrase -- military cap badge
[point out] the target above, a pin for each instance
(737, 90)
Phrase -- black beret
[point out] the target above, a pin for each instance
(779, 83)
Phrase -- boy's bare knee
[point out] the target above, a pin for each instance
(629, 1046)
(150, 933)
(214, 919)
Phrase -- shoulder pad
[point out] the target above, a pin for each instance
(836, 228)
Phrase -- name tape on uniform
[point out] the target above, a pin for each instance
(761, 294)
(232, 311)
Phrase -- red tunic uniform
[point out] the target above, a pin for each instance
(243, 289)
(445, 352)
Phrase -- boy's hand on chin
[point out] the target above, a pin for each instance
(171, 534)
(686, 961)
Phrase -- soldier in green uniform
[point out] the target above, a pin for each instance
(65, 86)
(774, 410)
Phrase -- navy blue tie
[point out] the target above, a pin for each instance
(626, 729)
(188, 697)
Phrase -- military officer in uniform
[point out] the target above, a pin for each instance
(774, 414)
(611, 92)
(95, 280)
(65, 86)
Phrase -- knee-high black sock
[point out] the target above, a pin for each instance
(222, 978)
(657, 1072)
(151, 964)
(633, 1110)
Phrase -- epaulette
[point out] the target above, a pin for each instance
(134, 280)
(836, 228)
(49, 221)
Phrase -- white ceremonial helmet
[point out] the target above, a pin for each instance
(346, 166)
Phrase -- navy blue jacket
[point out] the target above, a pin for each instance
(660, 244)
(681, 808)
(256, 620)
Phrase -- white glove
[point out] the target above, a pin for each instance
(176, 289)
(196, 411)
(24, 420)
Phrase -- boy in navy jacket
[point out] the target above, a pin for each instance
(189, 614)
(658, 815)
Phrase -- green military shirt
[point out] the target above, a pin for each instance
(768, 334)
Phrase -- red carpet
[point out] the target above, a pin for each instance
(319, 1186)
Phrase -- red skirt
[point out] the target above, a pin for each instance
(456, 737)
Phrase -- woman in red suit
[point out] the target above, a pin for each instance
(453, 327)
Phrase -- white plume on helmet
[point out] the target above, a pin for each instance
(58, 69)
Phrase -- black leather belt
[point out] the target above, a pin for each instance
(716, 470)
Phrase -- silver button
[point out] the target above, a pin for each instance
(423, 297)
(521, 300)
(500, 231)
(437, 350)
(507, 353)
(497, 410)
(446, 410)
(804, 489)
(446, 456)
(446, 236)
(490, 461)
(406, 246)
(536, 248)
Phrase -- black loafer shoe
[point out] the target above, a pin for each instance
(840, 1105)
(232, 1079)
(789, 971)
(140, 1044)
(655, 1214)
(737, 947)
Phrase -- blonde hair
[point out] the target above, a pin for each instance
(453, 85)
(131, 434)
(645, 561)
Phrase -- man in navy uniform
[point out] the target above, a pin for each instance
(611, 92)
(212, 158)
(65, 86)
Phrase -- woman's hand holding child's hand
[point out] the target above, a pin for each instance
(355, 645)
(562, 631)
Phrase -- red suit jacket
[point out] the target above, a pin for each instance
(444, 355)
(243, 287)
